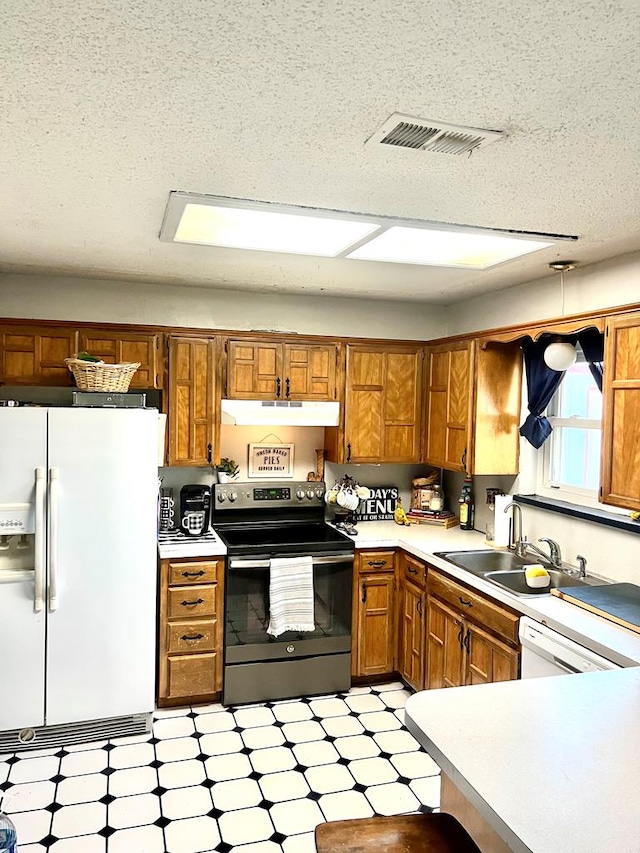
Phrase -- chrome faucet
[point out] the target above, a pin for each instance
(555, 555)
(515, 542)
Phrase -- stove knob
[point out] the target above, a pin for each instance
(320, 494)
(310, 494)
(221, 497)
(233, 496)
(300, 494)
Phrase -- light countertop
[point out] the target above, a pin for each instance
(175, 544)
(600, 635)
(551, 763)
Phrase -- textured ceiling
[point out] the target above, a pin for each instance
(105, 107)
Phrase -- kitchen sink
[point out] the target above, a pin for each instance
(514, 581)
(481, 562)
(506, 569)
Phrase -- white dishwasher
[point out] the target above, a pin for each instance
(546, 652)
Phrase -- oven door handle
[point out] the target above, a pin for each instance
(328, 560)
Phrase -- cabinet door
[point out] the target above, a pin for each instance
(445, 659)
(34, 355)
(448, 405)
(620, 474)
(374, 639)
(254, 370)
(411, 634)
(190, 401)
(309, 372)
(382, 405)
(487, 659)
(118, 347)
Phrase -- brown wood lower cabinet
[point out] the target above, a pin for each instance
(412, 612)
(190, 630)
(470, 638)
(373, 621)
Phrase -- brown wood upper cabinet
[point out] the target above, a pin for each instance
(191, 401)
(382, 406)
(116, 347)
(276, 370)
(34, 355)
(620, 474)
(472, 406)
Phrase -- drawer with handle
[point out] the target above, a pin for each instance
(376, 561)
(413, 569)
(200, 571)
(191, 636)
(475, 607)
(192, 675)
(194, 600)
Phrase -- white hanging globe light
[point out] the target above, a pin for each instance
(560, 355)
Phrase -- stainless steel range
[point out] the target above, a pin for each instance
(260, 522)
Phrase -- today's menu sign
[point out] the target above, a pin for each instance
(270, 462)
(380, 505)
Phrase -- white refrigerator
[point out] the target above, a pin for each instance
(78, 545)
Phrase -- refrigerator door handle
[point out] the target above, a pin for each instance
(54, 475)
(38, 562)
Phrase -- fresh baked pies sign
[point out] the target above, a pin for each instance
(269, 462)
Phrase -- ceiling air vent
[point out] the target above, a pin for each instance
(420, 134)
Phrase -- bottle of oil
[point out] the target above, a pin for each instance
(467, 507)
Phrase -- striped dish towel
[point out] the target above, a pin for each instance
(291, 595)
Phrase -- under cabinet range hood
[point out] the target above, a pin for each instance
(280, 413)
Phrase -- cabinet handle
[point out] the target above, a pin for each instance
(209, 449)
(278, 384)
(419, 606)
(463, 460)
(287, 384)
(377, 563)
(460, 633)
(192, 637)
(364, 592)
(192, 574)
(348, 453)
(193, 603)
(465, 603)
(412, 570)
(467, 640)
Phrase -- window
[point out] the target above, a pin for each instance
(571, 455)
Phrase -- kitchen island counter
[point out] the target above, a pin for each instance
(551, 764)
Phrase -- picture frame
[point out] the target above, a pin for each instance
(271, 461)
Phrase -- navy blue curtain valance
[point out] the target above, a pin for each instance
(543, 382)
(592, 344)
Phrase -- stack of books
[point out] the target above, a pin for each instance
(441, 518)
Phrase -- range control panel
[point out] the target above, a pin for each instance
(267, 495)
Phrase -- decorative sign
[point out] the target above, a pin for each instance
(380, 505)
(271, 462)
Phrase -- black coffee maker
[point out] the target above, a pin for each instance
(195, 509)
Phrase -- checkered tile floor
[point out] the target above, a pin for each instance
(252, 779)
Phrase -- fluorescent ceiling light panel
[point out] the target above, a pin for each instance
(242, 224)
(443, 248)
(268, 230)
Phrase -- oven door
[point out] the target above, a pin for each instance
(247, 611)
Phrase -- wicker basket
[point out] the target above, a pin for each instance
(98, 376)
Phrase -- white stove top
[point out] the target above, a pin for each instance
(173, 543)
